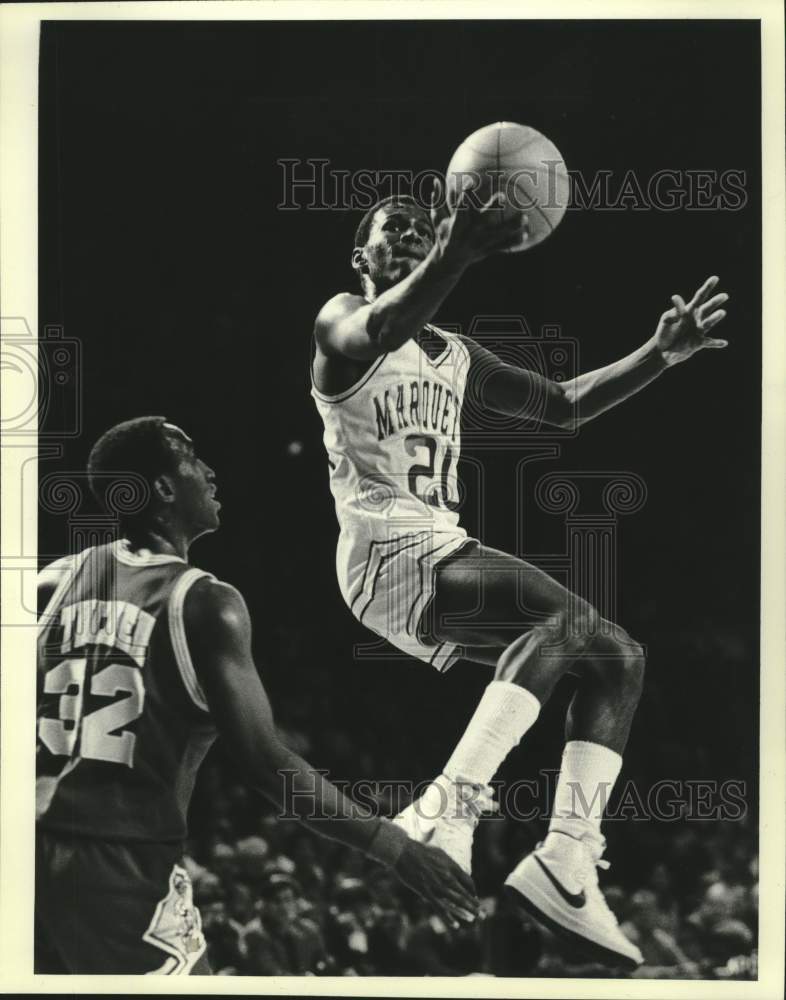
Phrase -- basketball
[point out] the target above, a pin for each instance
(522, 164)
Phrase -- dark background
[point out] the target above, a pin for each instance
(163, 252)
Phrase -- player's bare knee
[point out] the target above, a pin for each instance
(514, 656)
(635, 667)
(518, 656)
(580, 625)
(626, 667)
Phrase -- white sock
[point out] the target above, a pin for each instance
(586, 779)
(504, 713)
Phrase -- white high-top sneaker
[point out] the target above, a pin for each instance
(446, 815)
(558, 885)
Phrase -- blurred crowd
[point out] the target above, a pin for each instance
(278, 900)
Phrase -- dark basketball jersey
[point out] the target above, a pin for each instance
(123, 724)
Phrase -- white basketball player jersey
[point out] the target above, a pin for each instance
(393, 442)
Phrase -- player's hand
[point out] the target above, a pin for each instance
(438, 879)
(684, 329)
(465, 232)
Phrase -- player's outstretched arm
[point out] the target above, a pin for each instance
(350, 326)
(681, 332)
(218, 631)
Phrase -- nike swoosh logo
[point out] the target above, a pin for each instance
(574, 899)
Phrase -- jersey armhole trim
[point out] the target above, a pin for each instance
(465, 351)
(445, 353)
(341, 396)
(177, 634)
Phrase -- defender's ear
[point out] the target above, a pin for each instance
(359, 262)
(164, 490)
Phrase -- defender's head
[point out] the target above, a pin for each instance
(393, 237)
(181, 488)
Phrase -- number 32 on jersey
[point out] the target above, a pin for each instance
(103, 734)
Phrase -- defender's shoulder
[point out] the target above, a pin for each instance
(52, 573)
(211, 602)
(52, 576)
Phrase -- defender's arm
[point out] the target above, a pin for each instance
(218, 630)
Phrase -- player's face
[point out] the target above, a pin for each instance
(194, 484)
(399, 240)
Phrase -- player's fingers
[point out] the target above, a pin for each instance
(707, 307)
(456, 199)
(460, 908)
(711, 342)
(456, 883)
(704, 291)
(440, 203)
(445, 912)
(455, 194)
(466, 882)
(459, 885)
(495, 202)
(508, 233)
(670, 316)
(467, 900)
(713, 320)
(679, 304)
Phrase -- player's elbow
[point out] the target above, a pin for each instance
(561, 409)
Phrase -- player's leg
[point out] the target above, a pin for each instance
(115, 908)
(489, 601)
(47, 960)
(492, 601)
(481, 598)
(557, 882)
(598, 723)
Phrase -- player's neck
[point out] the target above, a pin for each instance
(160, 541)
(372, 291)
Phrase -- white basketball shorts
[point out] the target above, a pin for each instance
(388, 585)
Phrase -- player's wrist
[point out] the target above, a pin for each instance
(658, 355)
(388, 844)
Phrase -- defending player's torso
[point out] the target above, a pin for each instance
(393, 442)
(122, 722)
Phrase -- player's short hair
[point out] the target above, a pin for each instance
(124, 459)
(364, 227)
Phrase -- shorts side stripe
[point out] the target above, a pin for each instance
(382, 561)
(159, 932)
(373, 549)
(419, 600)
